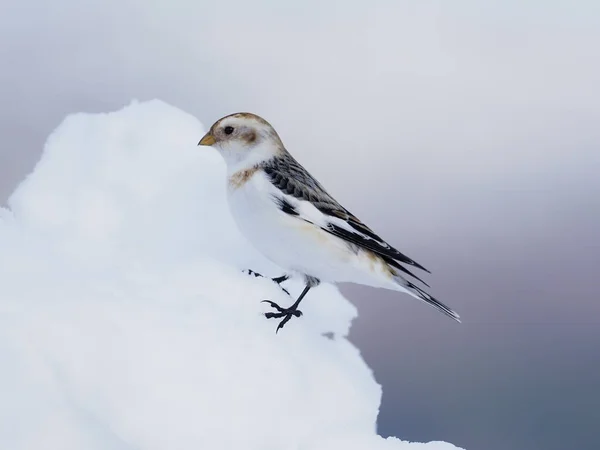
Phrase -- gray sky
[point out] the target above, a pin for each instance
(478, 121)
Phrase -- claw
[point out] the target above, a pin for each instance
(251, 272)
(277, 280)
(280, 279)
(272, 315)
(282, 323)
(286, 313)
(274, 305)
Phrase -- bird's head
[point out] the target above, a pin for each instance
(244, 140)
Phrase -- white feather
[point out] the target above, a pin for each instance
(297, 243)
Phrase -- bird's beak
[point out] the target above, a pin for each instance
(208, 140)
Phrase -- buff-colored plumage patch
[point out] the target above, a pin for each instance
(249, 137)
(238, 179)
(250, 116)
(376, 262)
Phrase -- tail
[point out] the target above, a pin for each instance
(420, 294)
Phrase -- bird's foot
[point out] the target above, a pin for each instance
(280, 279)
(286, 313)
(252, 272)
(277, 280)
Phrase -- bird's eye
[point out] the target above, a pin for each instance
(228, 130)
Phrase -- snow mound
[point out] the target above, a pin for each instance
(125, 319)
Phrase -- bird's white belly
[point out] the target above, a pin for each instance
(288, 241)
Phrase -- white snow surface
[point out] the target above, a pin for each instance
(126, 322)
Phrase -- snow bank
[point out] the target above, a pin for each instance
(125, 320)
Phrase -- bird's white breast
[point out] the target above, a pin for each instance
(287, 240)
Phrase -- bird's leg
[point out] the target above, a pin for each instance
(286, 313)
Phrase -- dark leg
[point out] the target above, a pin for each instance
(286, 313)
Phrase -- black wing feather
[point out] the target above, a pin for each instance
(389, 254)
(287, 175)
(371, 242)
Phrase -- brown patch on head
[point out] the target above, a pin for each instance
(249, 137)
(242, 115)
(238, 179)
(250, 129)
(247, 115)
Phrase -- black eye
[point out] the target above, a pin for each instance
(228, 130)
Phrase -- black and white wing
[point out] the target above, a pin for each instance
(291, 179)
(298, 194)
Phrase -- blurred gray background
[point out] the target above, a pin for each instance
(466, 132)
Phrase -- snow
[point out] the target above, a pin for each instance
(126, 321)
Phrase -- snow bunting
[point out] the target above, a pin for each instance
(290, 218)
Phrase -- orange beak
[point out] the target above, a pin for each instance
(207, 140)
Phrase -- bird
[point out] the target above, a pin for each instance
(289, 217)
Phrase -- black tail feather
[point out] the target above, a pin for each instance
(424, 296)
(398, 266)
